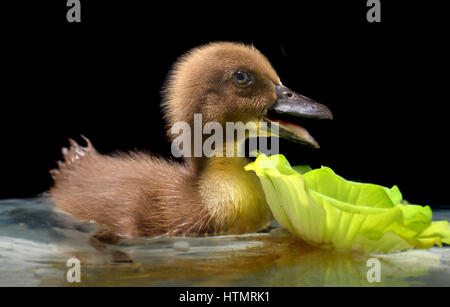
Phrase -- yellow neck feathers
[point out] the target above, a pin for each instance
(234, 197)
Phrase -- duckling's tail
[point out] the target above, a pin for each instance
(88, 185)
(73, 156)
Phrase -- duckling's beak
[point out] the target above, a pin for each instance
(291, 103)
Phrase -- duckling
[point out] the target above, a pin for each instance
(139, 195)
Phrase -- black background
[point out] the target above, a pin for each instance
(386, 83)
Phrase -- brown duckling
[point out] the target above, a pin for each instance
(138, 195)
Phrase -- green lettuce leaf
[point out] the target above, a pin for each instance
(325, 209)
(302, 169)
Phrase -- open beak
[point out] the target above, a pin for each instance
(289, 102)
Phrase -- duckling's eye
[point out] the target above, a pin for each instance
(242, 78)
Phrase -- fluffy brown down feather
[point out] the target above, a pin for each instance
(134, 194)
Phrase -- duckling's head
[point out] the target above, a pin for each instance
(229, 82)
(232, 82)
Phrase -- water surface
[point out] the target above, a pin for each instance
(36, 240)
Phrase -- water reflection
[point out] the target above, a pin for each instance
(36, 241)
